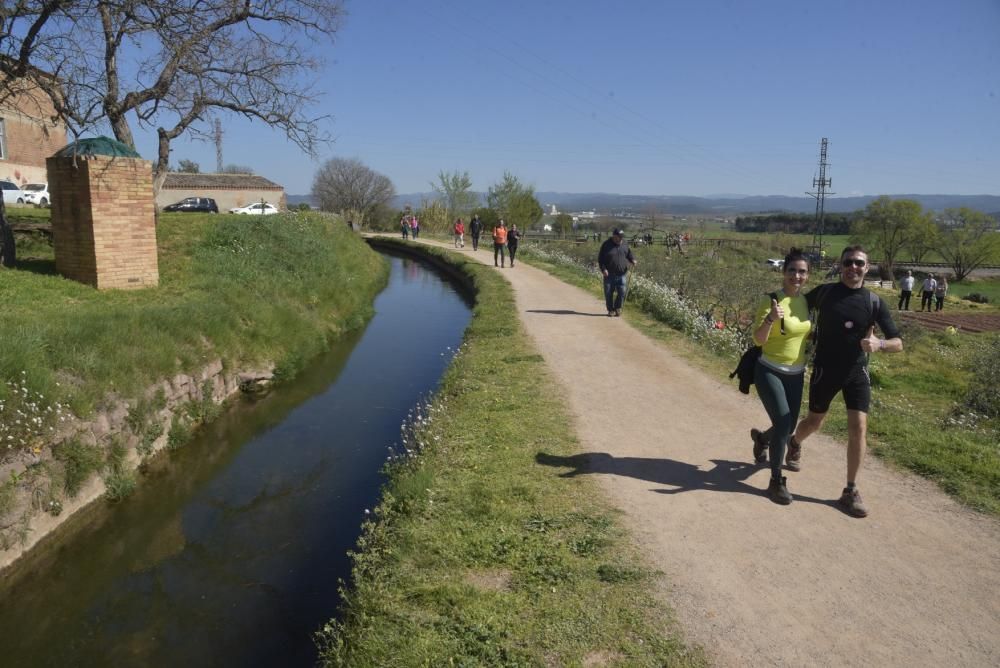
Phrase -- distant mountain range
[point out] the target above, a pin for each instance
(718, 205)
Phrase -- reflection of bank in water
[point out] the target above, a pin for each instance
(230, 551)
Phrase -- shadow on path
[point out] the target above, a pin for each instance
(565, 312)
(725, 476)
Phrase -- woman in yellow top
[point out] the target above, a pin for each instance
(782, 331)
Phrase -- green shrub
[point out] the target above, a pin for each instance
(977, 298)
(983, 396)
(79, 463)
(119, 478)
(179, 434)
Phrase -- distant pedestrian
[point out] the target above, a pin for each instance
(459, 234)
(475, 229)
(615, 259)
(927, 293)
(404, 224)
(940, 292)
(350, 225)
(414, 227)
(499, 242)
(513, 237)
(906, 291)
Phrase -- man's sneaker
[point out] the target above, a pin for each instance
(759, 446)
(793, 458)
(777, 491)
(618, 313)
(850, 500)
(611, 314)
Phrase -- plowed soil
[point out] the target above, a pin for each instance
(964, 321)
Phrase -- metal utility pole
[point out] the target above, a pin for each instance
(820, 184)
(218, 146)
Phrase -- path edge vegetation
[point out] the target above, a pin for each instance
(480, 552)
(253, 276)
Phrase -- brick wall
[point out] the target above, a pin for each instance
(30, 137)
(103, 225)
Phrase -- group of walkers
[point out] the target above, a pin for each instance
(932, 290)
(410, 224)
(505, 241)
(842, 318)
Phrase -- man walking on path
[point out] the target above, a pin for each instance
(848, 313)
(906, 292)
(927, 294)
(615, 258)
(475, 229)
(499, 242)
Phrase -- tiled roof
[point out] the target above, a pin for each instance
(180, 180)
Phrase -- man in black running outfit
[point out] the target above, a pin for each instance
(847, 317)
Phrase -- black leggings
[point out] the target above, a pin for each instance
(512, 250)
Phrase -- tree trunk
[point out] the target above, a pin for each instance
(122, 131)
(7, 251)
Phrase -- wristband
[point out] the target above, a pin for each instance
(881, 344)
(768, 319)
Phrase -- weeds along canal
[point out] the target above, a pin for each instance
(230, 551)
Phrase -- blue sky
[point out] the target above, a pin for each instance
(656, 97)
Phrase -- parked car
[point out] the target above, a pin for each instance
(258, 209)
(37, 194)
(194, 205)
(12, 194)
(775, 264)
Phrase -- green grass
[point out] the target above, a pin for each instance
(480, 555)
(920, 417)
(984, 286)
(245, 289)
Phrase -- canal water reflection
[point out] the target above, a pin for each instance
(230, 552)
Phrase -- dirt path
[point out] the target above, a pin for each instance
(917, 583)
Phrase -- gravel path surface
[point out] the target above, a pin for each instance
(917, 583)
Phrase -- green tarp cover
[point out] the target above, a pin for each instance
(98, 146)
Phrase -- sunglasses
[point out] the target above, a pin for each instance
(854, 262)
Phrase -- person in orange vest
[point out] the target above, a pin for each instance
(499, 243)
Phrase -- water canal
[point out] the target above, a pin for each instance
(230, 551)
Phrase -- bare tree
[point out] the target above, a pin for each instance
(351, 188)
(173, 64)
(456, 191)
